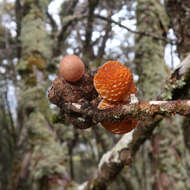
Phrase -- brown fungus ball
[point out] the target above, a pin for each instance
(71, 68)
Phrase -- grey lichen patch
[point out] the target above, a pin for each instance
(81, 119)
(34, 99)
(22, 67)
(48, 155)
(178, 83)
(149, 52)
(152, 73)
(172, 155)
(34, 36)
(43, 4)
(160, 11)
(113, 155)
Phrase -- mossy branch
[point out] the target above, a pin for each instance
(78, 101)
(81, 109)
(142, 110)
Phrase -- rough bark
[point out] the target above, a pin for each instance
(178, 12)
(162, 150)
(152, 71)
(43, 165)
(124, 152)
(179, 19)
(40, 159)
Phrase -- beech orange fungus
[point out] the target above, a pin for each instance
(114, 83)
(71, 68)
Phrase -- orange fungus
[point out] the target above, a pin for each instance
(114, 83)
(71, 68)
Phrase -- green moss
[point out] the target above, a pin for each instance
(23, 68)
(57, 118)
(38, 62)
(35, 98)
(30, 80)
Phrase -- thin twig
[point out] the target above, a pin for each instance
(153, 35)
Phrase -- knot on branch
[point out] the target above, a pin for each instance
(75, 100)
(77, 92)
(78, 103)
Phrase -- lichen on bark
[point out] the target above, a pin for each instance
(149, 52)
(166, 151)
(47, 162)
(36, 45)
(34, 36)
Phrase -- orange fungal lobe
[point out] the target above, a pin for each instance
(114, 83)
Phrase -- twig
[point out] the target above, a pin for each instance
(88, 49)
(178, 84)
(153, 35)
(124, 151)
(108, 29)
(52, 22)
(142, 110)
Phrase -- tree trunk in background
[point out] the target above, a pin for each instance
(179, 14)
(178, 11)
(41, 161)
(36, 152)
(149, 52)
(161, 162)
(151, 69)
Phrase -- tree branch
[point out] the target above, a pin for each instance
(128, 147)
(108, 29)
(52, 22)
(83, 111)
(178, 84)
(67, 22)
(153, 35)
(92, 4)
(142, 110)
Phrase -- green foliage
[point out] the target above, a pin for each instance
(23, 67)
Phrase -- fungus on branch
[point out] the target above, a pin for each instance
(114, 83)
(142, 110)
(145, 128)
(79, 99)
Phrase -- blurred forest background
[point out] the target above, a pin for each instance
(37, 153)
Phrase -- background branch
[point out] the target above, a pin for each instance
(123, 153)
(145, 33)
(151, 112)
